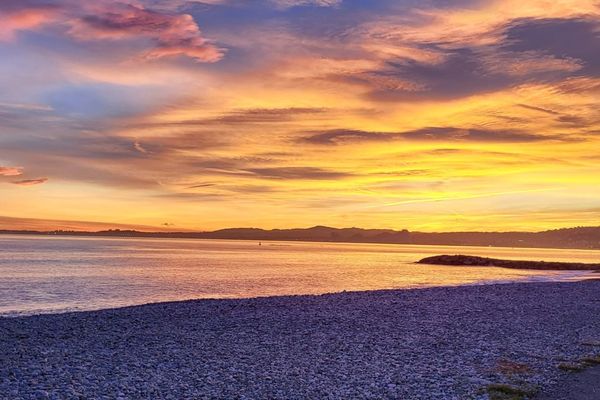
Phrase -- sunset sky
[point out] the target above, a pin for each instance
(425, 115)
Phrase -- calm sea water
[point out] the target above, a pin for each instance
(54, 274)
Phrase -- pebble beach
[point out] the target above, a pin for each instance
(435, 343)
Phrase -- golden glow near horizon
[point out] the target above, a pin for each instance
(202, 115)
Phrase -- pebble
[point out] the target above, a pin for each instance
(436, 343)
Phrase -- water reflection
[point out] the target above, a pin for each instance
(50, 274)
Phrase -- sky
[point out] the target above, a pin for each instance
(427, 115)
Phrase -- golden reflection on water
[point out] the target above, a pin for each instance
(41, 274)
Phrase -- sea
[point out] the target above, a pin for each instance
(52, 274)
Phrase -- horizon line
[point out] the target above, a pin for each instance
(193, 231)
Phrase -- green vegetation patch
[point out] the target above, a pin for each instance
(592, 343)
(594, 360)
(571, 367)
(500, 391)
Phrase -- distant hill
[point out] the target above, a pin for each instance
(571, 238)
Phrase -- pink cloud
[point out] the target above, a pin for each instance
(171, 34)
(11, 171)
(13, 21)
(30, 182)
(168, 34)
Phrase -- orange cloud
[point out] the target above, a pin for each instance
(11, 171)
(447, 115)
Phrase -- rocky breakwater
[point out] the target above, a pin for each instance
(465, 260)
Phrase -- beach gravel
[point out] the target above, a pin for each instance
(436, 343)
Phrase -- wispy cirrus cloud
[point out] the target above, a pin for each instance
(295, 3)
(244, 117)
(301, 173)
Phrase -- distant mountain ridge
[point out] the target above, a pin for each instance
(569, 238)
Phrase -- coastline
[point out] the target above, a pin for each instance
(430, 343)
(256, 234)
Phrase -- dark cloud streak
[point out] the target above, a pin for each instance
(30, 182)
(298, 173)
(447, 134)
